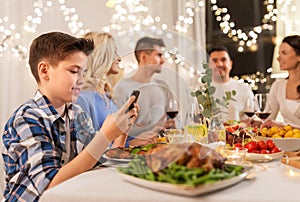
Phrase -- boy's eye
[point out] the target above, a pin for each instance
(73, 72)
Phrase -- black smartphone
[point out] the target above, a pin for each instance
(136, 93)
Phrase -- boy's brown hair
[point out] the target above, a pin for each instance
(55, 47)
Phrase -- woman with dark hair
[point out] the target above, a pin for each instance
(285, 94)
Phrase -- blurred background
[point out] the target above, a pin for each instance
(251, 29)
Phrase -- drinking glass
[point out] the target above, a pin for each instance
(250, 108)
(172, 108)
(263, 106)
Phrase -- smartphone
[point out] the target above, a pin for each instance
(136, 93)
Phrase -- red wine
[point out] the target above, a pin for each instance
(249, 114)
(172, 114)
(263, 115)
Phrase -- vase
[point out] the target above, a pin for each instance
(216, 130)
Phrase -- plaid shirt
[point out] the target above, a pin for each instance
(34, 142)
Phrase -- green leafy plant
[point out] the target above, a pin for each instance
(211, 106)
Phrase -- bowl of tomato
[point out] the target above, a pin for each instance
(262, 150)
(286, 144)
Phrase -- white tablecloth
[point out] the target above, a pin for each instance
(103, 184)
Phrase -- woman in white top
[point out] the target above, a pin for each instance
(285, 94)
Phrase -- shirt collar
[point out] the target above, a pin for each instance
(46, 106)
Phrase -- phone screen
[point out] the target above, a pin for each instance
(136, 93)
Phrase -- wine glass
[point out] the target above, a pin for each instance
(250, 108)
(263, 106)
(196, 112)
(172, 108)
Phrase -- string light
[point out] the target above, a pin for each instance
(72, 18)
(186, 19)
(10, 39)
(130, 15)
(245, 39)
(291, 23)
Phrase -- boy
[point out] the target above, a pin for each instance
(43, 144)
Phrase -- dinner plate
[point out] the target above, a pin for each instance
(116, 160)
(185, 190)
(263, 157)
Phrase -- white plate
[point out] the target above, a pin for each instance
(115, 160)
(263, 157)
(184, 190)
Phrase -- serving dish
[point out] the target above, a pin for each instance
(185, 190)
(116, 160)
(263, 157)
(287, 144)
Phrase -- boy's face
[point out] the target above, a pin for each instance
(62, 83)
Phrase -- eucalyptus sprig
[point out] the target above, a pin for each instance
(204, 95)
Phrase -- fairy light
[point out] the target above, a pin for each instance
(186, 19)
(245, 40)
(130, 15)
(10, 38)
(288, 16)
(72, 18)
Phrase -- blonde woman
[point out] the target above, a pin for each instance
(95, 96)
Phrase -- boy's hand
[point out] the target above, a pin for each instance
(120, 122)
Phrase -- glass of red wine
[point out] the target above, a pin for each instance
(263, 106)
(172, 108)
(250, 108)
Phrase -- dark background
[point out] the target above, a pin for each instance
(246, 14)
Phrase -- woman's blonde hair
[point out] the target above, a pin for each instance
(99, 62)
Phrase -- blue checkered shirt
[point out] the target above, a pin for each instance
(34, 143)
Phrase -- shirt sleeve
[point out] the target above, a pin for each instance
(273, 100)
(34, 152)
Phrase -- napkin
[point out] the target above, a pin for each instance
(291, 159)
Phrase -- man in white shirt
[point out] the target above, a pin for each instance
(221, 63)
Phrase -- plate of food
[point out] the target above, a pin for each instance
(183, 169)
(263, 157)
(185, 190)
(116, 160)
(124, 155)
(286, 138)
(287, 144)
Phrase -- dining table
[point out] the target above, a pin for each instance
(269, 182)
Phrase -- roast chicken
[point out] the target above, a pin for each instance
(191, 155)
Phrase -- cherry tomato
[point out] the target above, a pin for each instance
(262, 145)
(235, 127)
(238, 145)
(252, 145)
(254, 151)
(264, 151)
(270, 144)
(230, 129)
(275, 150)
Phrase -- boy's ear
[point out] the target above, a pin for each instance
(43, 69)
